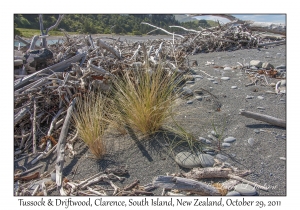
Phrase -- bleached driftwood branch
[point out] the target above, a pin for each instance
(265, 118)
(61, 146)
(162, 29)
(179, 183)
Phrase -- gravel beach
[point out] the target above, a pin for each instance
(259, 147)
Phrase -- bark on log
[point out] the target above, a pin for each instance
(61, 146)
(170, 182)
(264, 118)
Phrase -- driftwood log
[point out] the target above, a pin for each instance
(61, 146)
(265, 118)
(184, 184)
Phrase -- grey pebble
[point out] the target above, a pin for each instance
(256, 131)
(245, 189)
(221, 157)
(199, 98)
(233, 87)
(198, 76)
(210, 153)
(206, 160)
(214, 133)
(187, 160)
(233, 193)
(229, 139)
(253, 68)
(187, 91)
(189, 102)
(227, 68)
(211, 79)
(225, 144)
(249, 97)
(259, 107)
(225, 78)
(189, 82)
(198, 92)
(251, 141)
(260, 97)
(215, 82)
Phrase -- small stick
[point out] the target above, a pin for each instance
(265, 118)
(44, 189)
(34, 127)
(35, 190)
(96, 192)
(248, 182)
(27, 171)
(132, 185)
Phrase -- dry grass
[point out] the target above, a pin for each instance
(143, 99)
(91, 122)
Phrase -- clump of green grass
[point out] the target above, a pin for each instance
(144, 98)
(91, 122)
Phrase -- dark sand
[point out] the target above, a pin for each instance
(147, 158)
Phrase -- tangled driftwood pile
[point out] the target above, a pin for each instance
(48, 79)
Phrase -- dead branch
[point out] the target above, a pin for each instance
(265, 118)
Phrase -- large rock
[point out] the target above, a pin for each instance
(187, 160)
(256, 63)
(206, 160)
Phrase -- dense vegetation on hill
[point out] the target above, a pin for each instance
(108, 23)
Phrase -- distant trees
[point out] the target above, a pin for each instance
(105, 23)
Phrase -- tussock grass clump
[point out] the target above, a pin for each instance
(91, 122)
(144, 98)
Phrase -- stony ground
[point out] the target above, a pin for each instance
(147, 158)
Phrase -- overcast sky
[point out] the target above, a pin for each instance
(275, 18)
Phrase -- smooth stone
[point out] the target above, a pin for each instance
(187, 160)
(225, 78)
(256, 63)
(221, 157)
(261, 108)
(215, 82)
(202, 140)
(233, 87)
(187, 91)
(199, 98)
(189, 102)
(280, 67)
(267, 65)
(256, 131)
(226, 144)
(190, 82)
(249, 97)
(233, 193)
(200, 92)
(211, 137)
(282, 158)
(251, 141)
(210, 153)
(272, 84)
(245, 189)
(206, 160)
(253, 68)
(229, 139)
(227, 68)
(198, 76)
(260, 97)
(211, 79)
